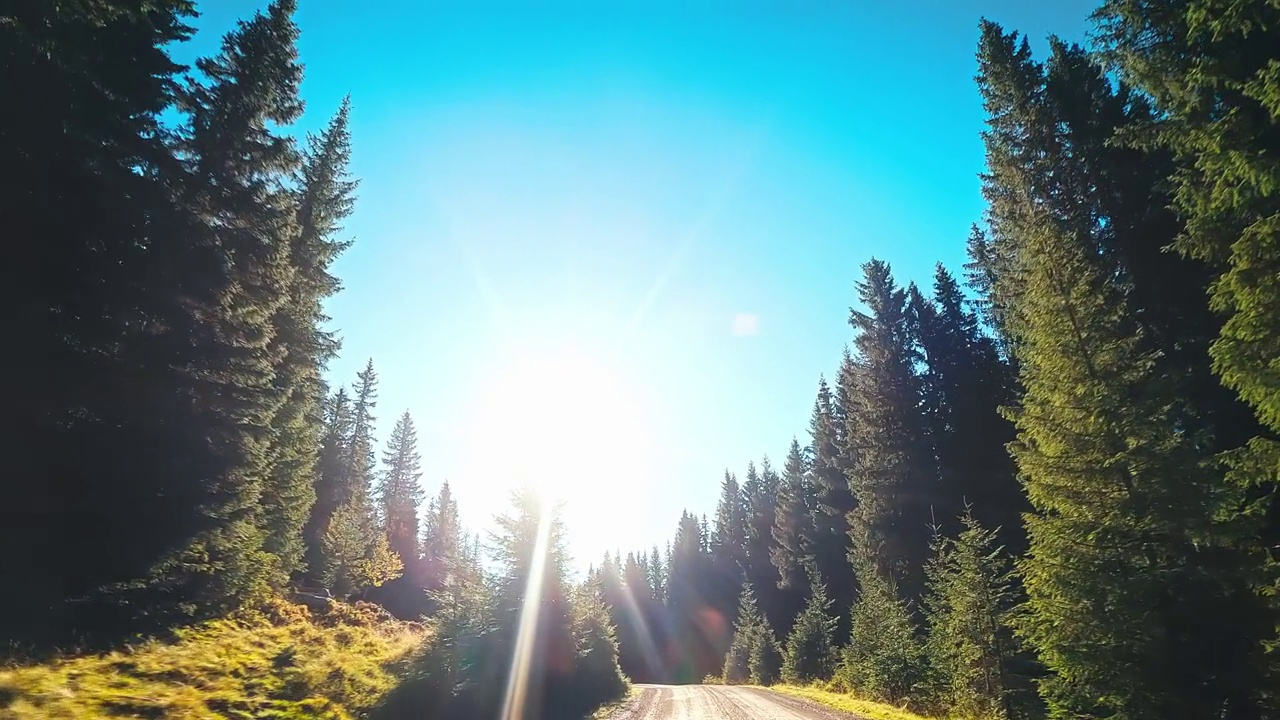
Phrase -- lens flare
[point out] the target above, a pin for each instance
(513, 705)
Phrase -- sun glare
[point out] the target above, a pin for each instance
(558, 420)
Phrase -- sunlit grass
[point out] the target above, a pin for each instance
(609, 708)
(848, 703)
(279, 664)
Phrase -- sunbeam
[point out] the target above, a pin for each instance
(647, 647)
(513, 703)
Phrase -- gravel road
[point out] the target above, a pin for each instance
(719, 702)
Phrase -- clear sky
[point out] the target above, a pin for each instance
(609, 247)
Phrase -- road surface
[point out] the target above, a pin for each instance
(719, 702)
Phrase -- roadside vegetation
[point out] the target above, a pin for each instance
(276, 661)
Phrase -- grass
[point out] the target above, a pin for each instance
(608, 708)
(280, 663)
(848, 703)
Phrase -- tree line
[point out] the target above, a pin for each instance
(1052, 494)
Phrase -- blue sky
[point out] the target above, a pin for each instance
(676, 196)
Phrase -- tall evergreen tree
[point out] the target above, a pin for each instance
(963, 384)
(753, 655)
(102, 437)
(400, 496)
(1210, 69)
(1133, 569)
(698, 631)
(760, 492)
(443, 542)
(331, 488)
(892, 476)
(402, 491)
(324, 199)
(532, 572)
(239, 166)
(728, 547)
(835, 502)
(359, 471)
(793, 529)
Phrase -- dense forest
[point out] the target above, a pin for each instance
(1039, 485)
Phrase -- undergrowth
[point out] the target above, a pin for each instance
(848, 703)
(277, 662)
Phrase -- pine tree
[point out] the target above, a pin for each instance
(963, 384)
(331, 488)
(760, 492)
(1211, 72)
(324, 199)
(810, 649)
(1209, 68)
(970, 647)
(532, 571)
(1134, 566)
(690, 584)
(793, 529)
(883, 660)
(728, 546)
(238, 166)
(402, 491)
(893, 476)
(443, 542)
(834, 503)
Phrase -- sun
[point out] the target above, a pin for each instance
(564, 421)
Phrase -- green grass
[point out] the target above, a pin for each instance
(848, 703)
(278, 663)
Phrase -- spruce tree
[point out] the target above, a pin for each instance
(963, 384)
(532, 571)
(443, 541)
(728, 545)
(810, 648)
(753, 655)
(760, 493)
(1209, 69)
(324, 199)
(793, 529)
(970, 647)
(402, 491)
(1134, 565)
(834, 503)
(893, 475)
(96, 429)
(331, 488)
(697, 647)
(883, 660)
(238, 167)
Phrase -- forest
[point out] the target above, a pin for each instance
(1040, 485)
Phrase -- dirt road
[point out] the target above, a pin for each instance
(719, 702)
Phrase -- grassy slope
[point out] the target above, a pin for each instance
(280, 664)
(848, 703)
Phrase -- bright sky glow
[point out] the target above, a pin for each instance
(610, 247)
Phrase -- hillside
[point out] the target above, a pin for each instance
(280, 661)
